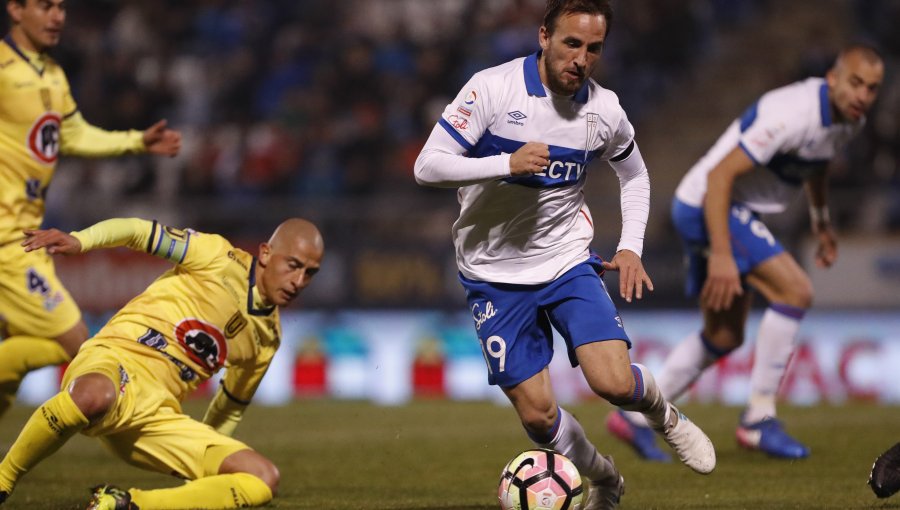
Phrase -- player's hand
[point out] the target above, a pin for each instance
(723, 282)
(531, 158)
(632, 276)
(826, 253)
(162, 141)
(55, 241)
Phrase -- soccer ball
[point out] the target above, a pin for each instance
(540, 480)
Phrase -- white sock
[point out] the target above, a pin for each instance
(683, 366)
(774, 346)
(649, 407)
(571, 441)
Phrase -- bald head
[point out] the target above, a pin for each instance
(864, 52)
(288, 261)
(854, 82)
(296, 230)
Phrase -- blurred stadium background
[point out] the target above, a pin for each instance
(317, 108)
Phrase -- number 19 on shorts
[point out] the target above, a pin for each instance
(494, 347)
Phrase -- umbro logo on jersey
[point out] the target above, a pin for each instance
(516, 117)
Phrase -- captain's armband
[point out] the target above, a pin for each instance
(169, 243)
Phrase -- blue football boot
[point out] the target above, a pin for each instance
(768, 436)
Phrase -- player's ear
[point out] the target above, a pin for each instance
(14, 9)
(831, 78)
(544, 38)
(265, 251)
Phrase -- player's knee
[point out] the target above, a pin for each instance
(93, 394)
(268, 473)
(253, 463)
(801, 293)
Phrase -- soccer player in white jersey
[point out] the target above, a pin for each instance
(782, 142)
(517, 141)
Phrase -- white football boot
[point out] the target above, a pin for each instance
(690, 443)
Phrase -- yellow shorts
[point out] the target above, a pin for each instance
(32, 299)
(147, 428)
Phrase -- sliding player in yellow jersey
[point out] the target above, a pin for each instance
(217, 307)
(39, 120)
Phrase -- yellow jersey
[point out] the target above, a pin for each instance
(202, 315)
(39, 120)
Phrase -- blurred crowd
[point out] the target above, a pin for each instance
(321, 106)
(324, 97)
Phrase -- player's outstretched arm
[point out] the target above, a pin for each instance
(160, 140)
(723, 280)
(133, 233)
(55, 241)
(632, 276)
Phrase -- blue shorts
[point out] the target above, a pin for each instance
(751, 241)
(513, 321)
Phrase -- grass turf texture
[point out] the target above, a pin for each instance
(444, 455)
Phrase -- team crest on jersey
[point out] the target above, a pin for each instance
(593, 120)
(45, 99)
(203, 342)
(235, 324)
(43, 138)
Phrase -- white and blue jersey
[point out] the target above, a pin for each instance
(531, 229)
(522, 243)
(790, 136)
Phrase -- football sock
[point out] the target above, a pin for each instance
(49, 427)
(21, 354)
(683, 366)
(647, 399)
(571, 441)
(774, 346)
(234, 490)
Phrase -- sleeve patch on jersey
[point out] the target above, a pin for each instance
(171, 244)
(455, 134)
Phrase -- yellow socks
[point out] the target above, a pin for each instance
(20, 355)
(46, 431)
(236, 490)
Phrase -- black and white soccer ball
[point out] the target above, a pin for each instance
(540, 480)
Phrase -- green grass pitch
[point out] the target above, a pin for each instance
(445, 455)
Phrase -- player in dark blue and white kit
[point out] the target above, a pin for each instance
(781, 143)
(517, 142)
